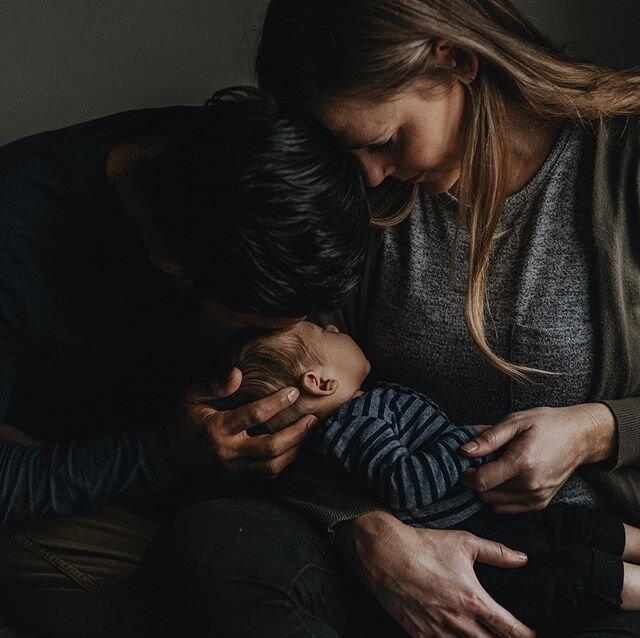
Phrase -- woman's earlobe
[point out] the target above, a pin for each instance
(474, 64)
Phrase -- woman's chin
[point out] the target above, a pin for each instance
(436, 184)
(435, 188)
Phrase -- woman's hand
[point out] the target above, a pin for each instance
(543, 447)
(213, 443)
(425, 579)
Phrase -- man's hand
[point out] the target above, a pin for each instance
(9, 434)
(425, 578)
(214, 443)
(542, 447)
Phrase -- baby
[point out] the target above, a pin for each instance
(401, 446)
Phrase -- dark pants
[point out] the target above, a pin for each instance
(239, 568)
(574, 572)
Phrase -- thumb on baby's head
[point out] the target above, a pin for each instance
(228, 383)
(215, 391)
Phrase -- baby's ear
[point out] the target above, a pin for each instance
(318, 383)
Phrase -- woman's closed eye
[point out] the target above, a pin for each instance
(380, 147)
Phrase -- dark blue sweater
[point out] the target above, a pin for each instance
(93, 339)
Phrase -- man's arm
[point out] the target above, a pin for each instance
(10, 434)
(69, 477)
(61, 478)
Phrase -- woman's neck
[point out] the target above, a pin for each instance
(531, 142)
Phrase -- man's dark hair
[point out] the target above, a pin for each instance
(266, 214)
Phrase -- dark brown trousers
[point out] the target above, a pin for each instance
(75, 577)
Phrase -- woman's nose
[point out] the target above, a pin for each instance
(331, 328)
(375, 170)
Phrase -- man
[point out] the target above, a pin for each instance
(130, 246)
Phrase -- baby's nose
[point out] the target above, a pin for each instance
(331, 328)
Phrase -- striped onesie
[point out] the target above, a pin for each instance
(403, 447)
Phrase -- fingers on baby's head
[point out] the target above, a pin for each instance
(268, 361)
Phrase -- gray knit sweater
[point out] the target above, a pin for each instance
(538, 302)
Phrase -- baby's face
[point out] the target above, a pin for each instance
(337, 351)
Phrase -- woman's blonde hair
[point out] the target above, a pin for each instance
(374, 49)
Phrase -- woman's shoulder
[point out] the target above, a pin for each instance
(618, 133)
(616, 158)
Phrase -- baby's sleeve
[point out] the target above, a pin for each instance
(409, 462)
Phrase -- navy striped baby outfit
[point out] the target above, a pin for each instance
(401, 446)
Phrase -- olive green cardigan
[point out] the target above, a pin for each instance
(610, 175)
(613, 171)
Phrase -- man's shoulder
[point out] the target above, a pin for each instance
(67, 145)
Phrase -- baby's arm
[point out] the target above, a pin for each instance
(408, 464)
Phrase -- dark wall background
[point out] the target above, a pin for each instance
(63, 61)
(605, 31)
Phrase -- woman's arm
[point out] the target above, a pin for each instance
(542, 448)
(626, 437)
(425, 578)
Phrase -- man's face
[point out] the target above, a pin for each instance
(216, 311)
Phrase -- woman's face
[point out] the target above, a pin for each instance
(416, 136)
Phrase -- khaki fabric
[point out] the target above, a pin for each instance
(77, 576)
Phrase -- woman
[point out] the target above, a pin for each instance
(518, 170)
(505, 279)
